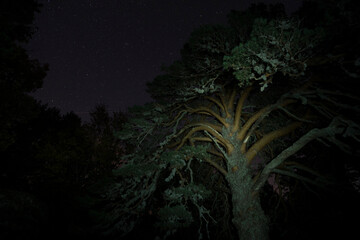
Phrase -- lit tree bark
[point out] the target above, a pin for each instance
(248, 216)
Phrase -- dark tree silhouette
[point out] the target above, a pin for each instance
(107, 149)
(18, 73)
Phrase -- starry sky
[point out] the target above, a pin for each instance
(104, 51)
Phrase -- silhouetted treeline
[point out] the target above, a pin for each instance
(47, 160)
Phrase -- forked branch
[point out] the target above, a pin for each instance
(259, 145)
(260, 115)
(335, 127)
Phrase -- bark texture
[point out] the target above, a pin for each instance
(248, 216)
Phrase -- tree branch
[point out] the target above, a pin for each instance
(224, 104)
(205, 139)
(259, 116)
(217, 166)
(296, 165)
(178, 116)
(219, 137)
(220, 149)
(219, 104)
(212, 125)
(239, 108)
(294, 116)
(205, 110)
(335, 127)
(254, 149)
(216, 153)
(232, 99)
(297, 176)
(212, 163)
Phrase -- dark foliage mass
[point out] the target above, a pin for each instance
(167, 168)
(47, 159)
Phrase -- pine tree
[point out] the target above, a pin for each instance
(237, 107)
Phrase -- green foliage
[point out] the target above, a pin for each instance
(274, 46)
(242, 21)
(174, 217)
(139, 175)
(206, 47)
(143, 121)
(176, 213)
(136, 170)
(200, 69)
(190, 192)
(176, 158)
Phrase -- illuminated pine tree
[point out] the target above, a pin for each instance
(228, 115)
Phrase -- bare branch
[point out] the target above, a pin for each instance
(335, 127)
(254, 149)
(207, 111)
(297, 176)
(239, 108)
(232, 99)
(259, 116)
(219, 104)
(217, 145)
(294, 116)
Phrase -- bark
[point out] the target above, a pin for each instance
(248, 216)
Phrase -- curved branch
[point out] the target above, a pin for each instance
(173, 144)
(251, 120)
(344, 106)
(230, 103)
(213, 132)
(244, 143)
(188, 135)
(224, 104)
(179, 115)
(205, 139)
(216, 153)
(214, 164)
(254, 149)
(338, 93)
(297, 176)
(239, 108)
(294, 116)
(217, 166)
(205, 110)
(302, 167)
(229, 146)
(219, 104)
(190, 125)
(259, 116)
(335, 127)
(212, 125)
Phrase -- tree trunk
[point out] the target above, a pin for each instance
(248, 216)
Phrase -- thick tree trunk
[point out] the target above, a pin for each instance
(248, 216)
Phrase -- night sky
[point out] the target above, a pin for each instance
(104, 51)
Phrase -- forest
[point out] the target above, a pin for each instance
(253, 134)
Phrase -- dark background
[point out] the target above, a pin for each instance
(105, 51)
